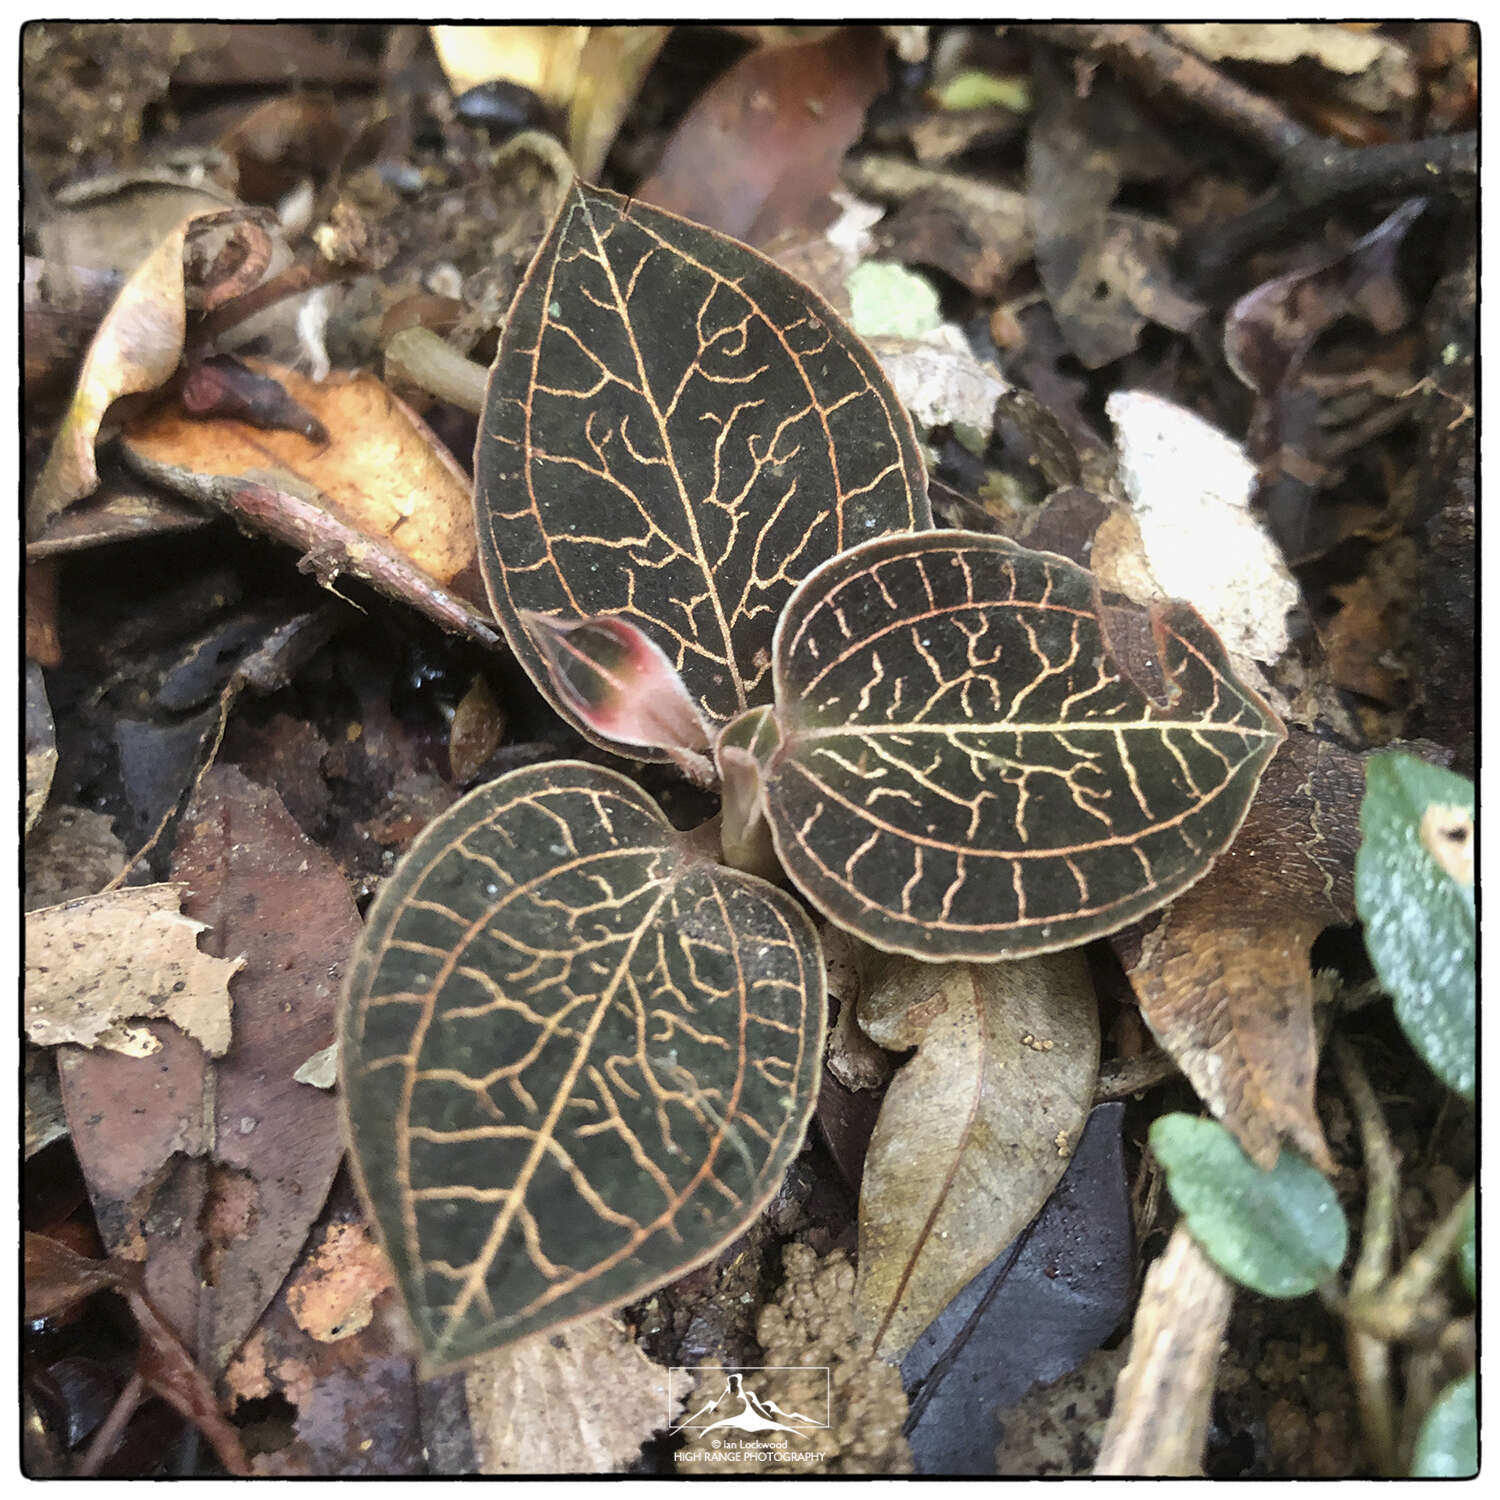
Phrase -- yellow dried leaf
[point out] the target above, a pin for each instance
(381, 471)
(130, 954)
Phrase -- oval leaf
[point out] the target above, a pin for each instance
(676, 432)
(1280, 1233)
(979, 759)
(1448, 1444)
(975, 1130)
(576, 1058)
(1414, 888)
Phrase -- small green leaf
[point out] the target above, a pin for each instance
(1281, 1233)
(888, 301)
(1414, 888)
(1448, 1444)
(975, 89)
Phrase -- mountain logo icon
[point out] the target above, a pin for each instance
(739, 1408)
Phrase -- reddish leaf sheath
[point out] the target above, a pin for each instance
(618, 681)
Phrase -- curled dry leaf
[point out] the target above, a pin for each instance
(975, 1130)
(381, 472)
(95, 963)
(581, 1400)
(611, 71)
(1224, 979)
(136, 348)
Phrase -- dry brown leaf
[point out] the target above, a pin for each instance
(97, 962)
(56, 1278)
(975, 1129)
(136, 348)
(475, 733)
(382, 472)
(759, 151)
(1224, 979)
(1362, 639)
(41, 745)
(579, 1400)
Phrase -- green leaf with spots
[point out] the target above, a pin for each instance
(974, 755)
(1281, 1233)
(1414, 889)
(675, 433)
(1448, 1444)
(577, 1056)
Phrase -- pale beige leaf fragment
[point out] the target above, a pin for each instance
(130, 954)
(966, 1149)
(580, 1399)
(136, 348)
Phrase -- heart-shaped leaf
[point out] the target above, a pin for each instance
(577, 1056)
(676, 432)
(973, 755)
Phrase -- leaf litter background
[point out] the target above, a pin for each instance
(275, 572)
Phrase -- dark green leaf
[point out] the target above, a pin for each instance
(1448, 1444)
(676, 432)
(1281, 1233)
(1414, 888)
(974, 757)
(576, 1057)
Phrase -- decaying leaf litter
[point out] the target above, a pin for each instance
(1249, 342)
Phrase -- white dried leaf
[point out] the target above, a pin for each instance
(942, 383)
(580, 1399)
(1190, 489)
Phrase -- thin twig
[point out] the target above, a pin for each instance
(1143, 54)
(1133, 1075)
(112, 1428)
(1369, 1356)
